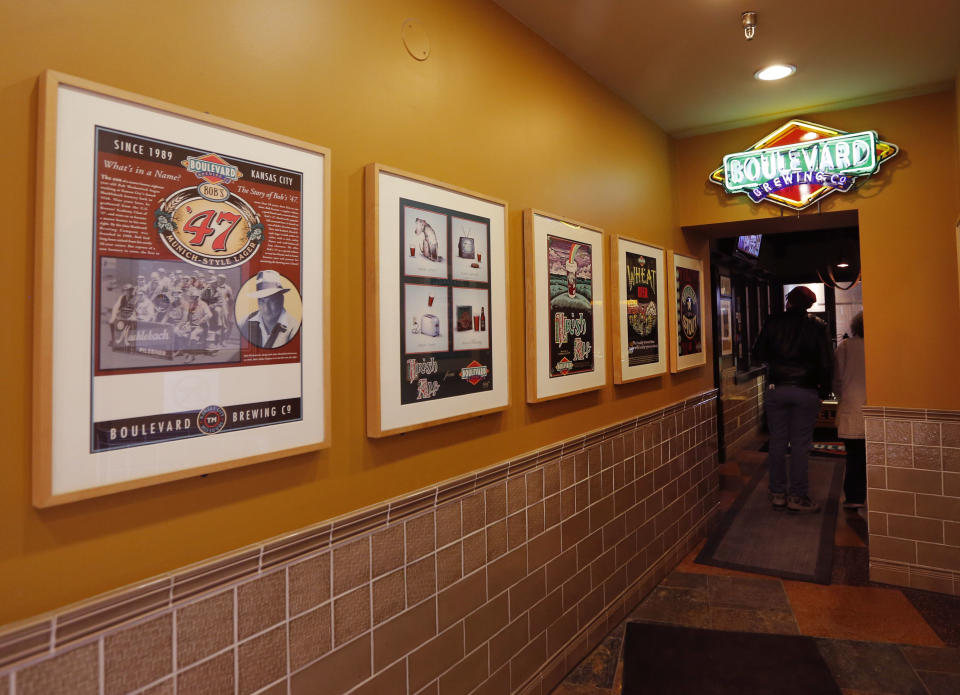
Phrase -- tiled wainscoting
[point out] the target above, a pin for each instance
(496, 582)
(740, 408)
(913, 481)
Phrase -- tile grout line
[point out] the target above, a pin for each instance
(101, 647)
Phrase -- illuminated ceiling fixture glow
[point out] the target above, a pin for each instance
(843, 265)
(775, 72)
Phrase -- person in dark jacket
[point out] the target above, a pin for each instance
(799, 360)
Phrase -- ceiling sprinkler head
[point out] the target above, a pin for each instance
(749, 21)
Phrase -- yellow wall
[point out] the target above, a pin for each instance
(494, 110)
(907, 243)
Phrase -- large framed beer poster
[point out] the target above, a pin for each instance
(687, 333)
(436, 302)
(182, 293)
(640, 310)
(564, 276)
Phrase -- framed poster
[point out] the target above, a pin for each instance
(182, 293)
(436, 303)
(686, 291)
(725, 309)
(725, 286)
(564, 276)
(639, 314)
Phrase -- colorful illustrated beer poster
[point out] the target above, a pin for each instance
(570, 307)
(445, 317)
(564, 285)
(639, 323)
(198, 263)
(437, 312)
(687, 332)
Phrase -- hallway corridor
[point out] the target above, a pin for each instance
(876, 639)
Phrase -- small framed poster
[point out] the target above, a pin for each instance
(638, 310)
(436, 303)
(726, 289)
(564, 278)
(182, 293)
(725, 309)
(686, 292)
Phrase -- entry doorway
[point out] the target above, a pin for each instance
(753, 264)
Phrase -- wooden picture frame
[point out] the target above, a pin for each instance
(726, 287)
(725, 316)
(564, 287)
(436, 296)
(147, 367)
(687, 333)
(638, 309)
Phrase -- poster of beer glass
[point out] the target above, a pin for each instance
(564, 287)
(182, 293)
(638, 310)
(436, 303)
(687, 334)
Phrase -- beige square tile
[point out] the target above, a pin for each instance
(926, 433)
(421, 580)
(496, 540)
(516, 494)
(204, 628)
(876, 454)
(898, 432)
(551, 478)
(388, 548)
(449, 566)
(162, 688)
(76, 672)
(474, 552)
(534, 486)
(262, 660)
(941, 556)
(212, 677)
(138, 655)
(337, 672)
(310, 637)
(448, 524)
(874, 429)
(351, 565)
(473, 512)
(899, 455)
(516, 530)
(309, 583)
(351, 615)
(951, 460)
(950, 434)
(389, 596)
(421, 536)
(927, 457)
(261, 604)
(496, 502)
(398, 636)
(535, 519)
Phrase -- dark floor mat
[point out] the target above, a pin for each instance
(752, 537)
(941, 611)
(671, 660)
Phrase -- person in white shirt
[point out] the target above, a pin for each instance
(270, 326)
(849, 384)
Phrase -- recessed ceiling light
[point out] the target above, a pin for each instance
(775, 72)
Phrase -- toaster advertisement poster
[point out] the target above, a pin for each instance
(445, 322)
(642, 309)
(688, 311)
(570, 265)
(197, 266)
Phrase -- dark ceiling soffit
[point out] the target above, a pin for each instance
(776, 225)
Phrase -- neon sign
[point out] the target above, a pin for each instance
(801, 162)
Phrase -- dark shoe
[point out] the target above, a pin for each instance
(802, 505)
(778, 500)
(853, 505)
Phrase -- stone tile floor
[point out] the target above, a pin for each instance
(876, 639)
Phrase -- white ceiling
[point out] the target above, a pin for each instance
(686, 65)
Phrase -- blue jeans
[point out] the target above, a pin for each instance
(791, 415)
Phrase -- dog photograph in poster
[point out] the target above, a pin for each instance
(688, 311)
(571, 306)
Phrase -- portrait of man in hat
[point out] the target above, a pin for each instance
(270, 326)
